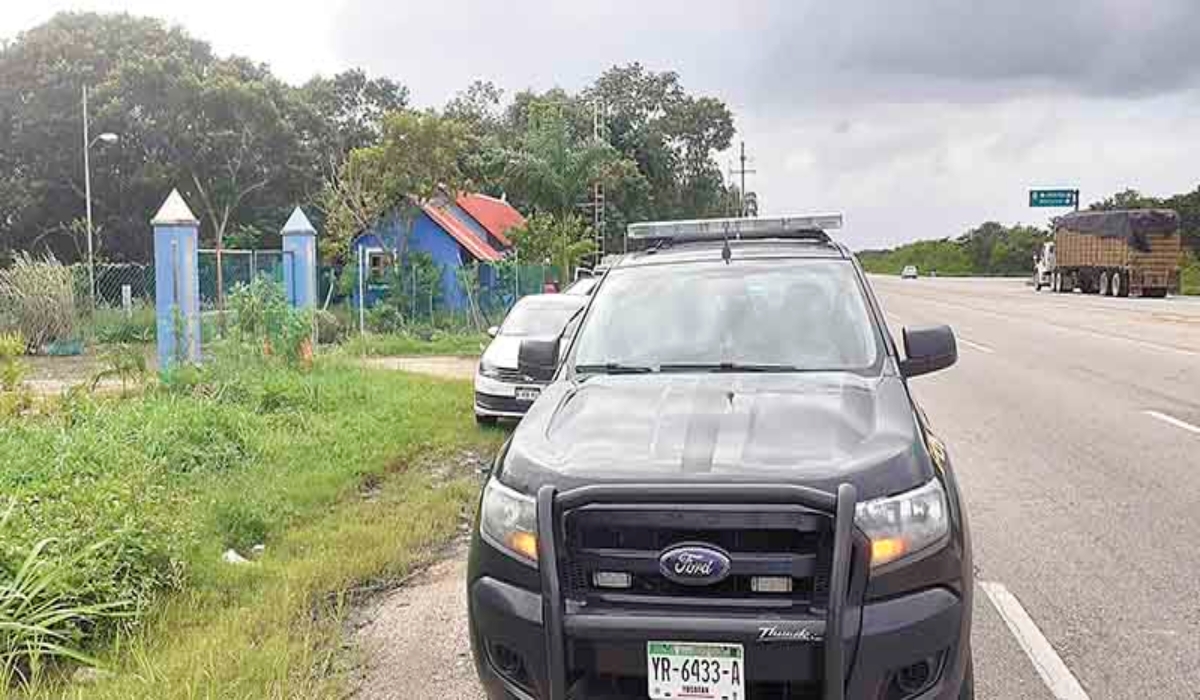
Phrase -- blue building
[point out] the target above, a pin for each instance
(469, 230)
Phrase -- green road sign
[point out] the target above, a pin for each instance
(1053, 198)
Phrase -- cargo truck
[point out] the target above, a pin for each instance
(1114, 253)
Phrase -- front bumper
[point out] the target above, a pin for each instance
(893, 635)
(529, 643)
(497, 398)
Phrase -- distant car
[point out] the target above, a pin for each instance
(909, 272)
(502, 390)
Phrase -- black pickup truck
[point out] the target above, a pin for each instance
(728, 491)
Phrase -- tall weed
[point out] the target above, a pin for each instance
(38, 297)
(41, 618)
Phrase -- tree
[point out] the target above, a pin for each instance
(215, 127)
(348, 111)
(478, 108)
(671, 135)
(1125, 199)
(42, 73)
(553, 168)
(417, 159)
(561, 240)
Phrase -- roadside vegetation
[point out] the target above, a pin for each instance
(117, 511)
(1189, 277)
(991, 249)
(994, 249)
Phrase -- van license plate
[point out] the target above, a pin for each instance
(695, 670)
(528, 393)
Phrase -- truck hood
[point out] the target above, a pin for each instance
(811, 429)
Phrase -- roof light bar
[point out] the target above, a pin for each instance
(717, 229)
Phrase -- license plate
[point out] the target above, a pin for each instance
(695, 671)
(527, 393)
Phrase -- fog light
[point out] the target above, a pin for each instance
(771, 584)
(612, 579)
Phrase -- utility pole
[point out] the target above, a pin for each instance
(742, 171)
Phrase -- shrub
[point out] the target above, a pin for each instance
(385, 318)
(38, 297)
(330, 328)
(262, 315)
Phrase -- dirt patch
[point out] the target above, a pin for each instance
(447, 367)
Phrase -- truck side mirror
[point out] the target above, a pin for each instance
(928, 350)
(538, 359)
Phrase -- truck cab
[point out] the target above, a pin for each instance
(726, 490)
(1043, 266)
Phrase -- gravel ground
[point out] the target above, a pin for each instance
(415, 640)
(448, 367)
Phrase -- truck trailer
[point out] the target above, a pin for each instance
(1114, 253)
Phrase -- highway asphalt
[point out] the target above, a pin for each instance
(1074, 426)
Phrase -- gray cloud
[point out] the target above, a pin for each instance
(794, 52)
(918, 118)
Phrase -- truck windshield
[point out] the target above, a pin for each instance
(794, 315)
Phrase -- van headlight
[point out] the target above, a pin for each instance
(904, 524)
(508, 521)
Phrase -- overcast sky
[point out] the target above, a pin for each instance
(915, 119)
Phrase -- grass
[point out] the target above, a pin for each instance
(245, 451)
(398, 344)
(108, 325)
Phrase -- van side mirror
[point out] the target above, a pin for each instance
(493, 331)
(928, 350)
(538, 359)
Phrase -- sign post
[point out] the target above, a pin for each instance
(1054, 198)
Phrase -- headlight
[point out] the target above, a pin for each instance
(487, 369)
(904, 524)
(508, 520)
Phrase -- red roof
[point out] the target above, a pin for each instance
(493, 214)
(449, 223)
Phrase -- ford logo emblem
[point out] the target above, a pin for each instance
(694, 564)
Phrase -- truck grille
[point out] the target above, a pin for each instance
(773, 540)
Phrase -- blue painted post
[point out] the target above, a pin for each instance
(176, 281)
(300, 272)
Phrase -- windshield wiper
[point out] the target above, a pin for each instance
(725, 367)
(613, 368)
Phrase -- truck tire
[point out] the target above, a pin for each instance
(1120, 284)
(1105, 290)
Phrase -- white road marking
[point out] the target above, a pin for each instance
(976, 346)
(1173, 421)
(1055, 674)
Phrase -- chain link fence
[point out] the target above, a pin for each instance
(393, 297)
(239, 267)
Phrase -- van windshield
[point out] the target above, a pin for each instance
(794, 315)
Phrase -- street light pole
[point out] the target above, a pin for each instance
(107, 137)
(87, 188)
